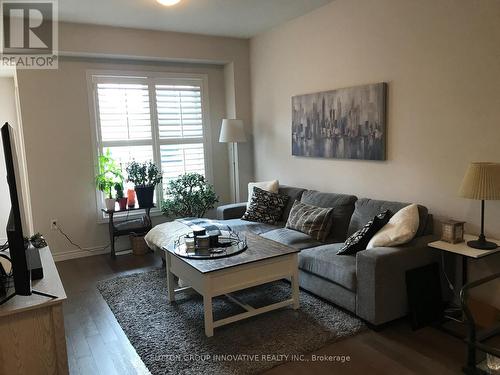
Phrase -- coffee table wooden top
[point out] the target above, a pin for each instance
(259, 248)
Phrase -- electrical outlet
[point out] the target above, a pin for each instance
(53, 224)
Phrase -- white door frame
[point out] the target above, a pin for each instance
(22, 166)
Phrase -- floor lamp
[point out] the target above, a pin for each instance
(232, 131)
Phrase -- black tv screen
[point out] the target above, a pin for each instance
(21, 273)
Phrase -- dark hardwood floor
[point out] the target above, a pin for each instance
(97, 344)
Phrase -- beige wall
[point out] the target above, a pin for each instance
(441, 60)
(56, 119)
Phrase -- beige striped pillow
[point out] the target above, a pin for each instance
(312, 220)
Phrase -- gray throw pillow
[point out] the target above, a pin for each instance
(265, 207)
(312, 220)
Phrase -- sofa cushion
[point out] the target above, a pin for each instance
(324, 262)
(271, 186)
(343, 207)
(291, 238)
(367, 208)
(400, 229)
(312, 220)
(295, 193)
(239, 225)
(359, 240)
(265, 206)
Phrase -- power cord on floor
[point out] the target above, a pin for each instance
(72, 242)
(67, 237)
(450, 284)
(452, 309)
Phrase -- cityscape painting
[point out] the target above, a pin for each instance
(347, 123)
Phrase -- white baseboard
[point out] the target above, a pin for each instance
(74, 254)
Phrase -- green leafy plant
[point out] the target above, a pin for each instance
(38, 241)
(109, 174)
(144, 174)
(189, 195)
(119, 190)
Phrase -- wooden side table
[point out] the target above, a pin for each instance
(32, 327)
(127, 226)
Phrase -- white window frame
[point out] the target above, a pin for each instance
(151, 79)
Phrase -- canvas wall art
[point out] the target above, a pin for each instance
(347, 123)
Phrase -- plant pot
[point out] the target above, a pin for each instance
(122, 202)
(145, 195)
(110, 204)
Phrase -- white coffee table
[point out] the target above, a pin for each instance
(264, 261)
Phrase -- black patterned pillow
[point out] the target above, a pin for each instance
(359, 240)
(265, 207)
(312, 220)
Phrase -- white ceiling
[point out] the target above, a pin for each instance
(236, 18)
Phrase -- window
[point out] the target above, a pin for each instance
(157, 118)
(180, 128)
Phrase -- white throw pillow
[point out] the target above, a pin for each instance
(271, 186)
(400, 229)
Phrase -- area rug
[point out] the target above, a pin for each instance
(170, 338)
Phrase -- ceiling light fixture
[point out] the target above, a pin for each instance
(168, 3)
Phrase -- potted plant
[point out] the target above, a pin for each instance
(145, 176)
(120, 198)
(109, 174)
(189, 195)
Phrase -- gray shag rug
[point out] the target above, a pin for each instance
(170, 338)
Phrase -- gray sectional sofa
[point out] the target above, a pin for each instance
(371, 283)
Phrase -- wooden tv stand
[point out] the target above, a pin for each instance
(32, 338)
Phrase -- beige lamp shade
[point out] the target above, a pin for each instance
(481, 182)
(232, 131)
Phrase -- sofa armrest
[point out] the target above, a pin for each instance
(381, 278)
(231, 211)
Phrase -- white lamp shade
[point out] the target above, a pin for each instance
(232, 131)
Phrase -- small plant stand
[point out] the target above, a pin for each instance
(127, 226)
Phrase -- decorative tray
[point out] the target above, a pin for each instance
(229, 244)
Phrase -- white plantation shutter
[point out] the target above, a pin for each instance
(183, 158)
(124, 111)
(152, 119)
(125, 154)
(179, 111)
(180, 120)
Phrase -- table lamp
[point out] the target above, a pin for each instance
(482, 182)
(232, 131)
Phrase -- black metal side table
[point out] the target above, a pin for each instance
(480, 342)
(467, 254)
(127, 226)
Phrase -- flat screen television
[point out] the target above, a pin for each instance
(17, 250)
